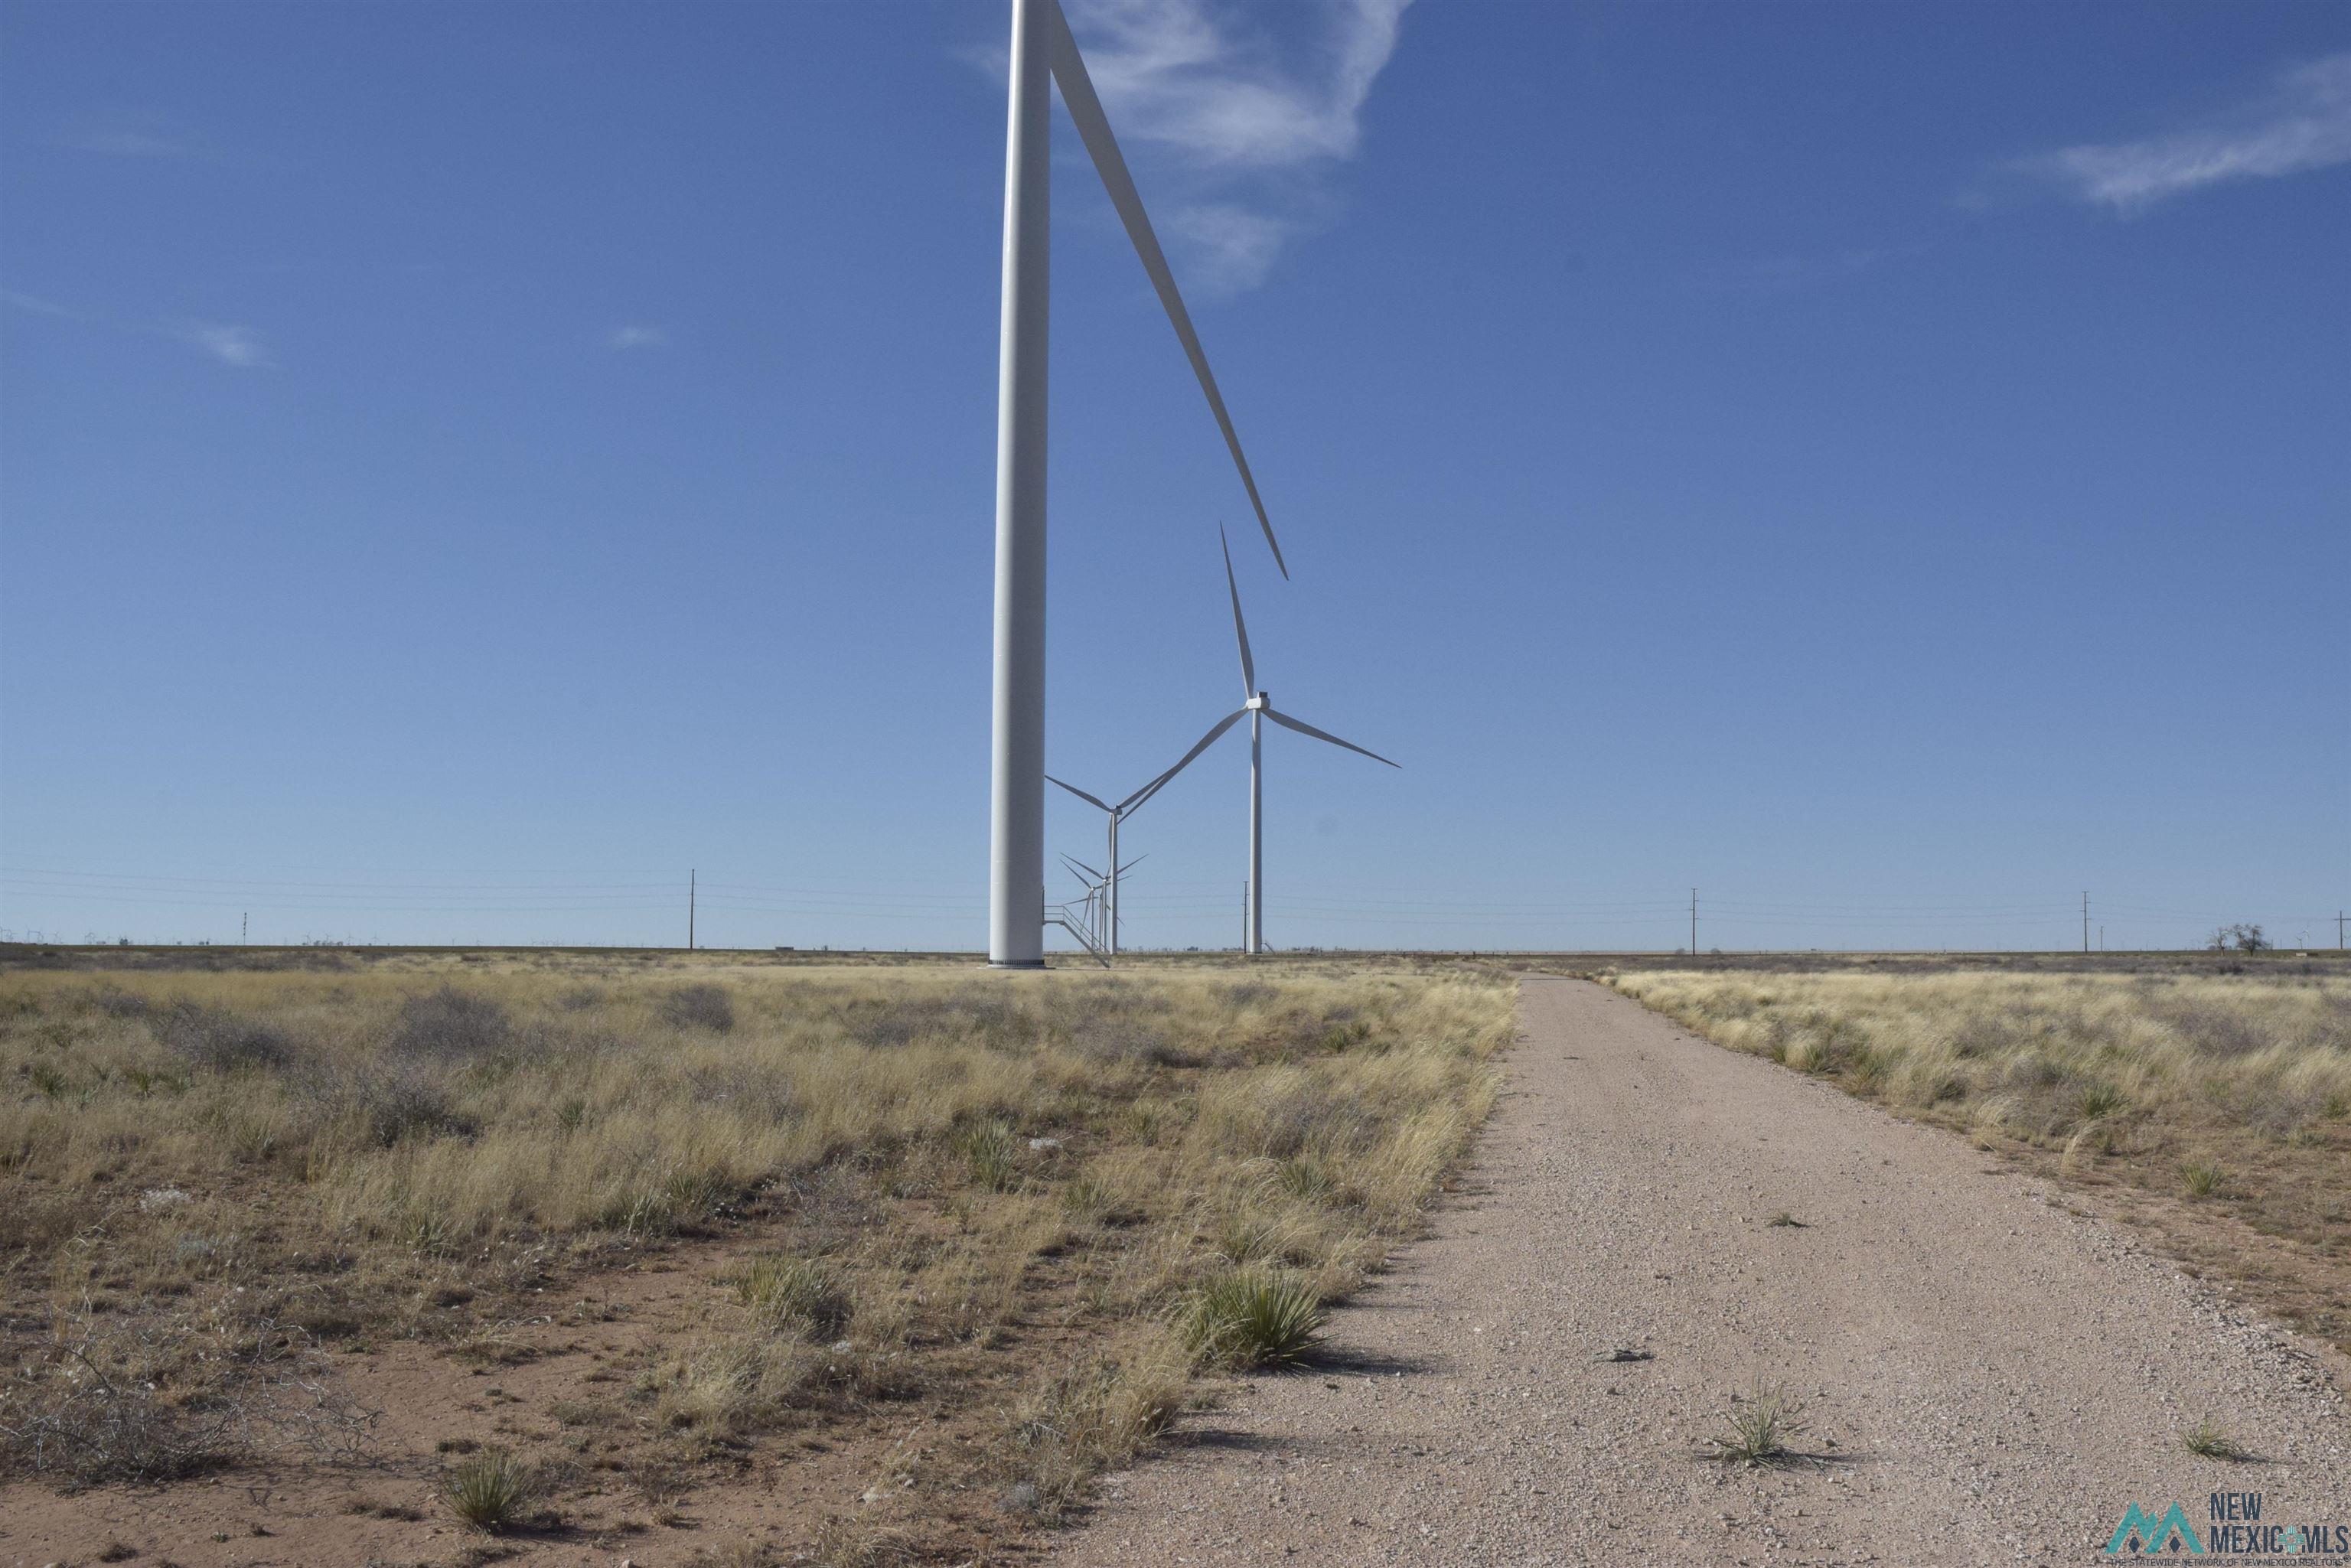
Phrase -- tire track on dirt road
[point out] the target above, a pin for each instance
(1987, 1377)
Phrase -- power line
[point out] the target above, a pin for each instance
(265, 882)
(475, 894)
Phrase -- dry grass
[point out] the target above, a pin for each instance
(948, 1177)
(1093, 1414)
(2232, 1090)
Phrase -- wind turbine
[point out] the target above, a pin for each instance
(1043, 51)
(1092, 882)
(1117, 814)
(1100, 892)
(1259, 708)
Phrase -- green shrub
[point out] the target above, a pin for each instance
(1757, 1427)
(2207, 1441)
(993, 1152)
(1253, 1317)
(490, 1489)
(797, 1296)
(2099, 1100)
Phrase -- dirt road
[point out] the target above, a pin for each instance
(1987, 1377)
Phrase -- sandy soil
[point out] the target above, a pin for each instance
(551, 1387)
(1987, 1377)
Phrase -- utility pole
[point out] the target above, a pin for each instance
(691, 877)
(2338, 928)
(2086, 921)
(245, 924)
(1693, 923)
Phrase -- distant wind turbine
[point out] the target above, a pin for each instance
(1092, 882)
(1117, 814)
(1259, 708)
(1043, 51)
(1100, 901)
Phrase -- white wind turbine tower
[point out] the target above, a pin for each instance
(1042, 49)
(1259, 708)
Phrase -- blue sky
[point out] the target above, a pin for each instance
(462, 466)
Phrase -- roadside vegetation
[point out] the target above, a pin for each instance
(2208, 1441)
(931, 1248)
(1757, 1428)
(2218, 1104)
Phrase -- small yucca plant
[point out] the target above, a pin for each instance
(797, 1295)
(2096, 1100)
(2207, 1441)
(490, 1489)
(1757, 1427)
(1253, 1317)
(993, 1152)
(2202, 1178)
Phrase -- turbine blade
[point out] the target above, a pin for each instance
(1077, 865)
(1240, 627)
(1148, 790)
(1283, 718)
(1093, 129)
(1131, 864)
(1073, 789)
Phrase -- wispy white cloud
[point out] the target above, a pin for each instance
(1234, 247)
(231, 345)
(1193, 75)
(636, 337)
(2303, 123)
(1247, 121)
(138, 136)
(228, 343)
(38, 306)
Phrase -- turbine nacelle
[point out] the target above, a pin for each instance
(1257, 704)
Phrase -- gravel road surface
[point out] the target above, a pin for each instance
(1987, 1377)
